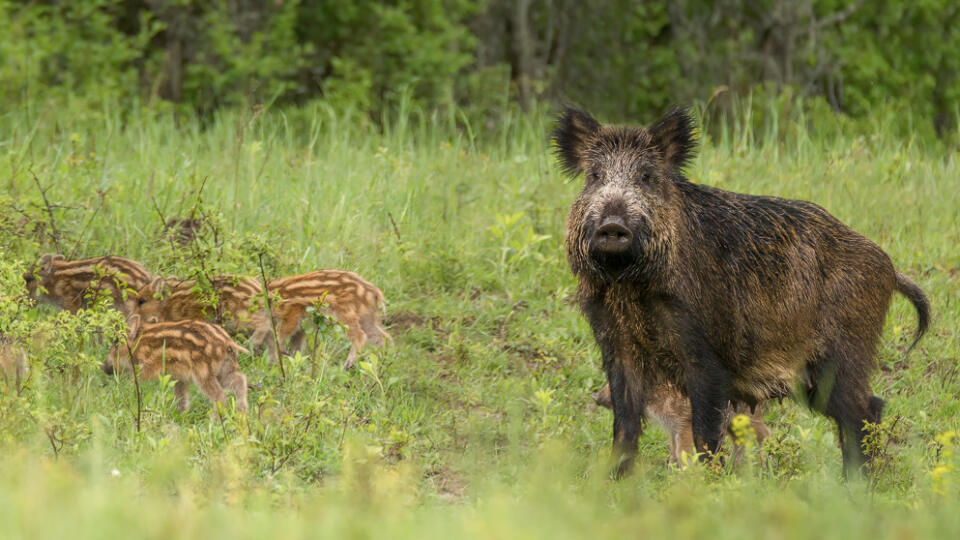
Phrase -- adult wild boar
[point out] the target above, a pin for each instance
(729, 297)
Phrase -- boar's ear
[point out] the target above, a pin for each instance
(133, 327)
(673, 136)
(574, 128)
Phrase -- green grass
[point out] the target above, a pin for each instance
(477, 421)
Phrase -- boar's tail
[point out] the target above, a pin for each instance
(915, 294)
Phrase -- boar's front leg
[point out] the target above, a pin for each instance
(627, 400)
(709, 387)
(628, 416)
(626, 394)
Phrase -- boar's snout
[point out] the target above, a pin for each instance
(612, 236)
(107, 367)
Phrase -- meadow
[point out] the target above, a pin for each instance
(477, 422)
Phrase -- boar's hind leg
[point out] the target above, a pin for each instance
(845, 396)
(709, 386)
(628, 418)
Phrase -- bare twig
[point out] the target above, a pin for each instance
(313, 351)
(53, 225)
(343, 431)
(156, 207)
(273, 322)
(52, 436)
(136, 378)
(396, 230)
(307, 427)
(203, 184)
(163, 223)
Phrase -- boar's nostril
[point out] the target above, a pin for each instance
(613, 236)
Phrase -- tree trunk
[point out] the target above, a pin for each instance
(522, 45)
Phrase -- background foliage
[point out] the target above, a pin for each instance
(625, 58)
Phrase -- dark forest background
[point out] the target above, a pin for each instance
(627, 60)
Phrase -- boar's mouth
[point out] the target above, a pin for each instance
(615, 265)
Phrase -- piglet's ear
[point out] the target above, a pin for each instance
(575, 128)
(672, 135)
(47, 261)
(133, 327)
(158, 285)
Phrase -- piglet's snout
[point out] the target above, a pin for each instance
(612, 236)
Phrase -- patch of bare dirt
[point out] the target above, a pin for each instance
(450, 486)
(403, 320)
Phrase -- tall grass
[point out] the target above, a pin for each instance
(477, 422)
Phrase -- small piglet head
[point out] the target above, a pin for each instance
(41, 276)
(148, 301)
(623, 218)
(118, 359)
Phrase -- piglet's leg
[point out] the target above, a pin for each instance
(375, 332)
(681, 440)
(358, 338)
(211, 388)
(181, 392)
(236, 382)
(261, 330)
(297, 340)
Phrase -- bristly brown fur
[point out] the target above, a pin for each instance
(574, 129)
(72, 285)
(674, 136)
(171, 299)
(184, 230)
(353, 301)
(578, 135)
(189, 351)
(730, 298)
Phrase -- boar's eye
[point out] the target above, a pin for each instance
(592, 177)
(643, 178)
(141, 301)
